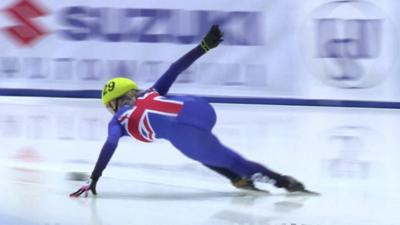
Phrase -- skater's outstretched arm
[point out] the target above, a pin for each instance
(211, 40)
(114, 133)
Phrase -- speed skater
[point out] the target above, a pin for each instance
(185, 121)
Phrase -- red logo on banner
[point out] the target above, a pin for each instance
(26, 32)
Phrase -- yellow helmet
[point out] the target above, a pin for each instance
(117, 87)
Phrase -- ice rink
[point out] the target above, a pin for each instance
(350, 155)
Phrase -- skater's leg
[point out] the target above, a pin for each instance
(191, 134)
(236, 180)
(224, 172)
(203, 146)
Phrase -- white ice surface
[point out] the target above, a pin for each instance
(351, 156)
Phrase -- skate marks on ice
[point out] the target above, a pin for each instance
(200, 205)
(185, 190)
(127, 190)
(180, 174)
(213, 207)
(177, 196)
(197, 195)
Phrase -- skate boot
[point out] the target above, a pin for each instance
(290, 184)
(243, 183)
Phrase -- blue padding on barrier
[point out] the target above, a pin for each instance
(50, 93)
(234, 100)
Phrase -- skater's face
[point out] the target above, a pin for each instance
(111, 107)
(126, 100)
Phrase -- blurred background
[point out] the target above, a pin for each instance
(309, 88)
(297, 49)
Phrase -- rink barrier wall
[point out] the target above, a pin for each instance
(213, 99)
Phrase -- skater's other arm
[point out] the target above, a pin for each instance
(163, 84)
(114, 133)
(211, 40)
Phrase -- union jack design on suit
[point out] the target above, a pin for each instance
(136, 120)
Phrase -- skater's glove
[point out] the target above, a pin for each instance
(212, 38)
(89, 186)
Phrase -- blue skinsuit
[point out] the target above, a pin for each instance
(190, 131)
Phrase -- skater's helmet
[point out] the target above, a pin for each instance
(117, 87)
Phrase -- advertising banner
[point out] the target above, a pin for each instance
(339, 50)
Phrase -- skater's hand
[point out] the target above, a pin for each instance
(89, 186)
(212, 38)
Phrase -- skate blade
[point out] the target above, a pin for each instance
(311, 192)
(305, 191)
